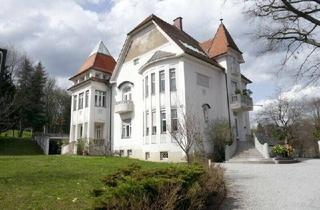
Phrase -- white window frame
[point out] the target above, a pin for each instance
(75, 102)
(87, 98)
(146, 86)
(100, 98)
(154, 122)
(153, 83)
(173, 80)
(126, 129)
(80, 101)
(127, 93)
(163, 121)
(162, 81)
(174, 119)
(147, 124)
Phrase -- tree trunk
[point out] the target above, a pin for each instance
(20, 129)
(188, 158)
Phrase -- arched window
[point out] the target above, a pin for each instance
(205, 109)
(126, 94)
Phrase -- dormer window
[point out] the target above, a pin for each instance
(136, 61)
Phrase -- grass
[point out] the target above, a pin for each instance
(15, 134)
(32, 181)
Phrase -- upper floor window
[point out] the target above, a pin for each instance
(98, 75)
(126, 129)
(205, 109)
(174, 120)
(202, 80)
(126, 94)
(136, 61)
(163, 121)
(162, 86)
(74, 102)
(80, 105)
(146, 86)
(100, 98)
(173, 86)
(154, 120)
(153, 83)
(87, 98)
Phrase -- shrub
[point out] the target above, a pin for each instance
(82, 147)
(282, 150)
(176, 187)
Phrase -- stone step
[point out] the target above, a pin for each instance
(252, 160)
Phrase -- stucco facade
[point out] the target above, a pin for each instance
(161, 74)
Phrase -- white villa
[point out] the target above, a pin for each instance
(129, 106)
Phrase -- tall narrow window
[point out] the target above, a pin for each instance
(162, 81)
(173, 86)
(100, 98)
(163, 121)
(205, 109)
(98, 131)
(80, 105)
(146, 86)
(147, 123)
(126, 129)
(126, 94)
(174, 120)
(74, 103)
(87, 99)
(154, 120)
(153, 83)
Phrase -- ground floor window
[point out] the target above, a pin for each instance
(163, 121)
(164, 155)
(129, 152)
(147, 155)
(174, 120)
(126, 129)
(98, 131)
(121, 153)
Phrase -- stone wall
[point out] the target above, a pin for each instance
(230, 150)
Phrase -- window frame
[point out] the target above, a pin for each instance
(146, 83)
(154, 122)
(153, 83)
(75, 100)
(86, 100)
(126, 129)
(163, 121)
(162, 81)
(174, 119)
(173, 79)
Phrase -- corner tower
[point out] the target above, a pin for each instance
(91, 102)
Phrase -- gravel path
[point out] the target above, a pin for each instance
(273, 186)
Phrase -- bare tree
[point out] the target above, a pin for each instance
(186, 133)
(283, 114)
(293, 25)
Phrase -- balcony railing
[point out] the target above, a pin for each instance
(123, 107)
(241, 103)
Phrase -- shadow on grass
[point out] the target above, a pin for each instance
(18, 146)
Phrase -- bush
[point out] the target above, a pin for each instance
(284, 151)
(176, 187)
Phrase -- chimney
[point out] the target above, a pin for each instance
(178, 23)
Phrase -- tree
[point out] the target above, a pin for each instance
(186, 133)
(38, 81)
(293, 25)
(23, 99)
(284, 114)
(219, 134)
(7, 91)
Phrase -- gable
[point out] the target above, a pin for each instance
(144, 43)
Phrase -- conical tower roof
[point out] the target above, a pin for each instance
(220, 44)
(99, 59)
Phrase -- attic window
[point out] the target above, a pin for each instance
(136, 61)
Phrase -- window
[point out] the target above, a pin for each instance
(87, 98)
(80, 131)
(147, 123)
(147, 155)
(234, 86)
(74, 103)
(205, 109)
(129, 152)
(100, 98)
(162, 81)
(98, 75)
(153, 83)
(98, 131)
(146, 86)
(174, 120)
(173, 86)
(163, 121)
(126, 129)
(164, 156)
(202, 80)
(154, 127)
(126, 94)
(136, 61)
(121, 153)
(80, 105)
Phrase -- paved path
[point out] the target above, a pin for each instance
(273, 186)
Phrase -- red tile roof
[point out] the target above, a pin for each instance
(220, 44)
(98, 61)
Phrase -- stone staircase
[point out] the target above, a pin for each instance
(247, 153)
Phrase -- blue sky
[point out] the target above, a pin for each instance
(62, 34)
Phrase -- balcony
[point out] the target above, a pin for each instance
(124, 107)
(241, 103)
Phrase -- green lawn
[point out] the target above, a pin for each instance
(54, 182)
(15, 133)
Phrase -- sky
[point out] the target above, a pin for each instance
(62, 33)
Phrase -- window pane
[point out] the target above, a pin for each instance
(153, 84)
(163, 122)
(173, 80)
(147, 86)
(162, 81)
